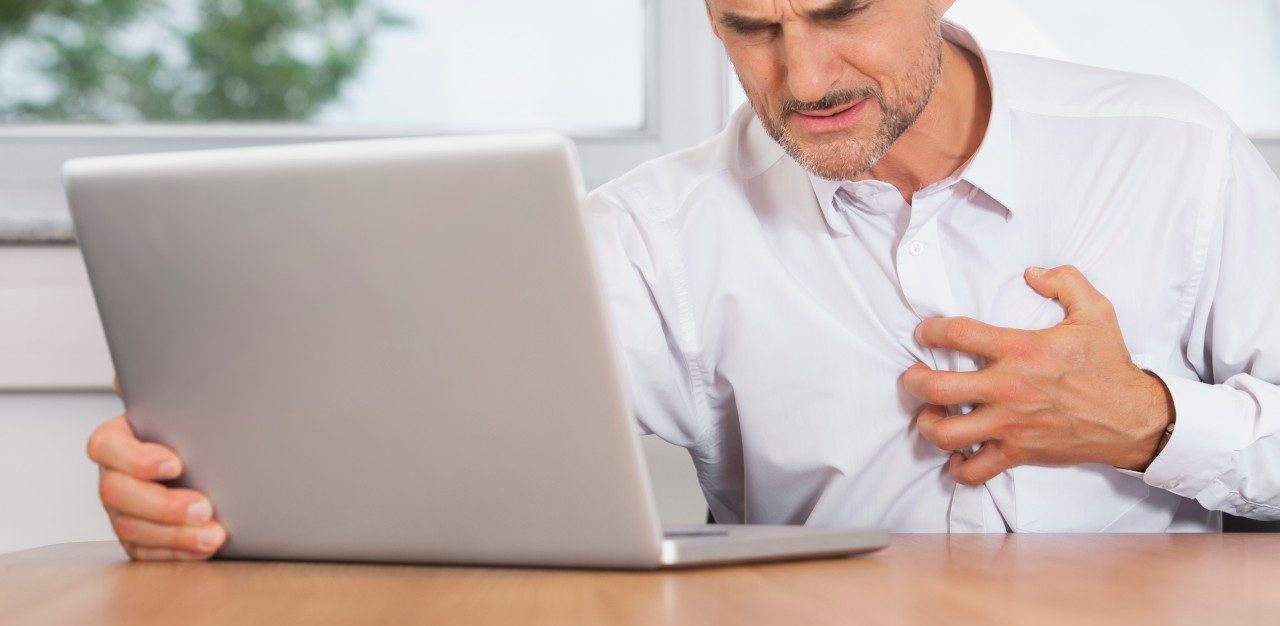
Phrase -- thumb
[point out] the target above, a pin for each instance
(1067, 285)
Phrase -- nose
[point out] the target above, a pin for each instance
(812, 65)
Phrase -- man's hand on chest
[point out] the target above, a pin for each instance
(1060, 396)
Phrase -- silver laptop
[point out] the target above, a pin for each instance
(389, 350)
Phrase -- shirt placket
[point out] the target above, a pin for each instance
(926, 286)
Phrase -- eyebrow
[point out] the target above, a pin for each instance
(839, 9)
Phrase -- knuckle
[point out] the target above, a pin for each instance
(137, 460)
(1104, 307)
(1012, 455)
(126, 529)
(108, 490)
(945, 440)
(965, 476)
(933, 388)
(175, 508)
(1008, 427)
(96, 445)
(958, 330)
(1027, 347)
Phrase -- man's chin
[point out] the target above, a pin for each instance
(844, 152)
(833, 160)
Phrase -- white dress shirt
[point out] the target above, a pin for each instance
(766, 315)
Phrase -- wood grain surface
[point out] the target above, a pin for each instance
(1206, 580)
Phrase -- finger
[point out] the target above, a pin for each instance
(114, 445)
(985, 464)
(967, 335)
(115, 382)
(165, 554)
(958, 432)
(929, 416)
(1069, 286)
(944, 387)
(154, 502)
(143, 534)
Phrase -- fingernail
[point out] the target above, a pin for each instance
(199, 512)
(209, 538)
(169, 469)
(916, 334)
(1037, 271)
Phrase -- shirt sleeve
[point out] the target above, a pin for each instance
(1225, 448)
(639, 278)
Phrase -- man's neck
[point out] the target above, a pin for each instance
(946, 134)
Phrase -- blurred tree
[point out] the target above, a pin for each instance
(145, 60)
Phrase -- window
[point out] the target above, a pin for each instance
(122, 76)
(446, 65)
(1229, 51)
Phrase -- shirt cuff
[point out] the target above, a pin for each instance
(1201, 447)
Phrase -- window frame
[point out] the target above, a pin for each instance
(684, 105)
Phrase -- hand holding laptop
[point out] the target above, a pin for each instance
(152, 521)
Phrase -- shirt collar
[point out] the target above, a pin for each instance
(990, 169)
(826, 190)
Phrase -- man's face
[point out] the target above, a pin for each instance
(835, 82)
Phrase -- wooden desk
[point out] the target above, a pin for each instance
(1201, 580)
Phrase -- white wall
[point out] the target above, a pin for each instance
(48, 489)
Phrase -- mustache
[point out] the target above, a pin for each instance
(831, 100)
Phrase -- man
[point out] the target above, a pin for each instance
(838, 305)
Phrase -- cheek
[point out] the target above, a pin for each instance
(761, 76)
(873, 63)
(886, 50)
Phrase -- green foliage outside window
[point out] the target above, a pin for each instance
(147, 60)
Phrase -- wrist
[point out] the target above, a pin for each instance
(1158, 413)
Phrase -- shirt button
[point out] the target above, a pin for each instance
(916, 248)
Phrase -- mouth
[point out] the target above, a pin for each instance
(831, 120)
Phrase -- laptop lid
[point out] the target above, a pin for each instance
(384, 350)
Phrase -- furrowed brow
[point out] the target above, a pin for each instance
(837, 10)
(745, 24)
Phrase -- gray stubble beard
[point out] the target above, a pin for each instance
(840, 161)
